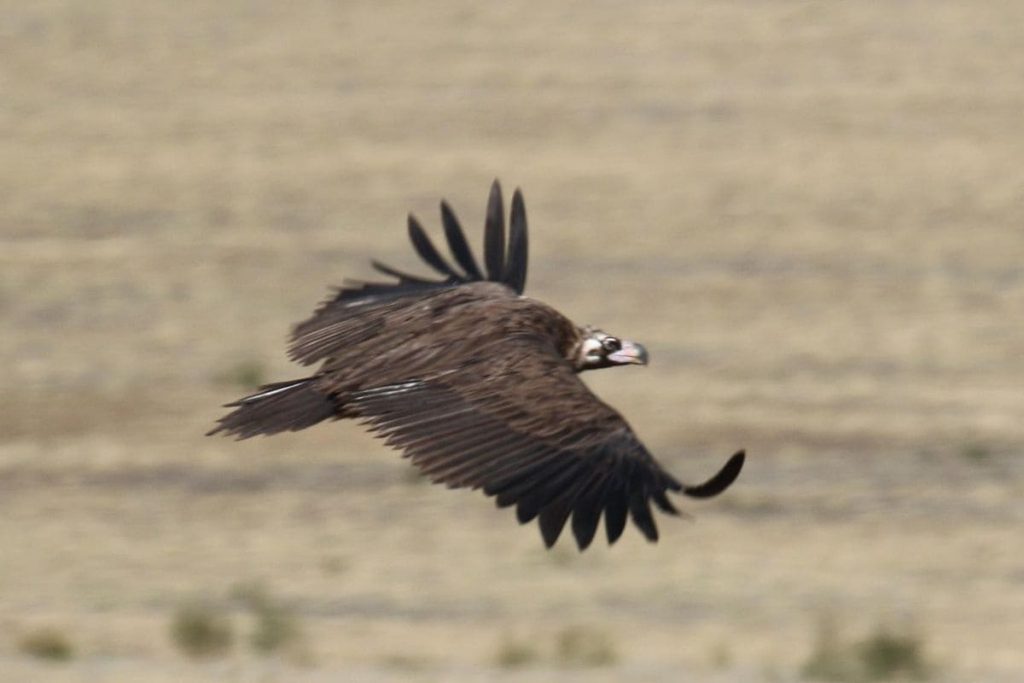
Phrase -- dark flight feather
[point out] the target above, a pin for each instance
(587, 514)
(721, 481)
(425, 248)
(494, 235)
(457, 243)
(615, 513)
(477, 385)
(404, 278)
(457, 433)
(515, 266)
(512, 274)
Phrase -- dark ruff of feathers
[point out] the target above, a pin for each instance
(476, 384)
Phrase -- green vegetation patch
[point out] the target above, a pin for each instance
(200, 630)
(580, 646)
(515, 654)
(275, 627)
(47, 643)
(881, 656)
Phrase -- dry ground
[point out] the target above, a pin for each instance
(812, 213)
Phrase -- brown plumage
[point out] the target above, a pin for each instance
(478, 386)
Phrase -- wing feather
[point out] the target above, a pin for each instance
(539, 491)
(457, 243)
(518, 246)
(403, 277)
(556, 513)
(494, 235)
(615, 512)
(640, 511)
(531, 435)
(356, 298)
(430, 255)
(587, 514)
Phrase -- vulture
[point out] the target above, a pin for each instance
(478, 385)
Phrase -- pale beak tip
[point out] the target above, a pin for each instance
(630, 353)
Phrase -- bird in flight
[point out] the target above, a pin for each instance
(478, 385)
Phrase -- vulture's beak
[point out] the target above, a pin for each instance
(631, 352)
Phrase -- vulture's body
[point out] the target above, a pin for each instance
(478, 385)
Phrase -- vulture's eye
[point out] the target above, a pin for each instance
(611, 344)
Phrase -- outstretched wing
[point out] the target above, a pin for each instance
(520, 425)
(506, 265)
(510, 270)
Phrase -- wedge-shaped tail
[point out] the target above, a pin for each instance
(280, 407)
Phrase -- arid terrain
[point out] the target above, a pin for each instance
(811, 213)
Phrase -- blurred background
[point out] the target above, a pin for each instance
(811, 213)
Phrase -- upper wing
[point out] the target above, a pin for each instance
(521, 425)
(506, 264)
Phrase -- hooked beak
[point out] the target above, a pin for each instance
(630, 353)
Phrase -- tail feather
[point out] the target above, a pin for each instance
(284, 406)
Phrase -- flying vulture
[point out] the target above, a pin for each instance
(478, 385)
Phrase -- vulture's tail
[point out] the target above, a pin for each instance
(284, 406)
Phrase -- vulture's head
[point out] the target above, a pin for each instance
(598, 349)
